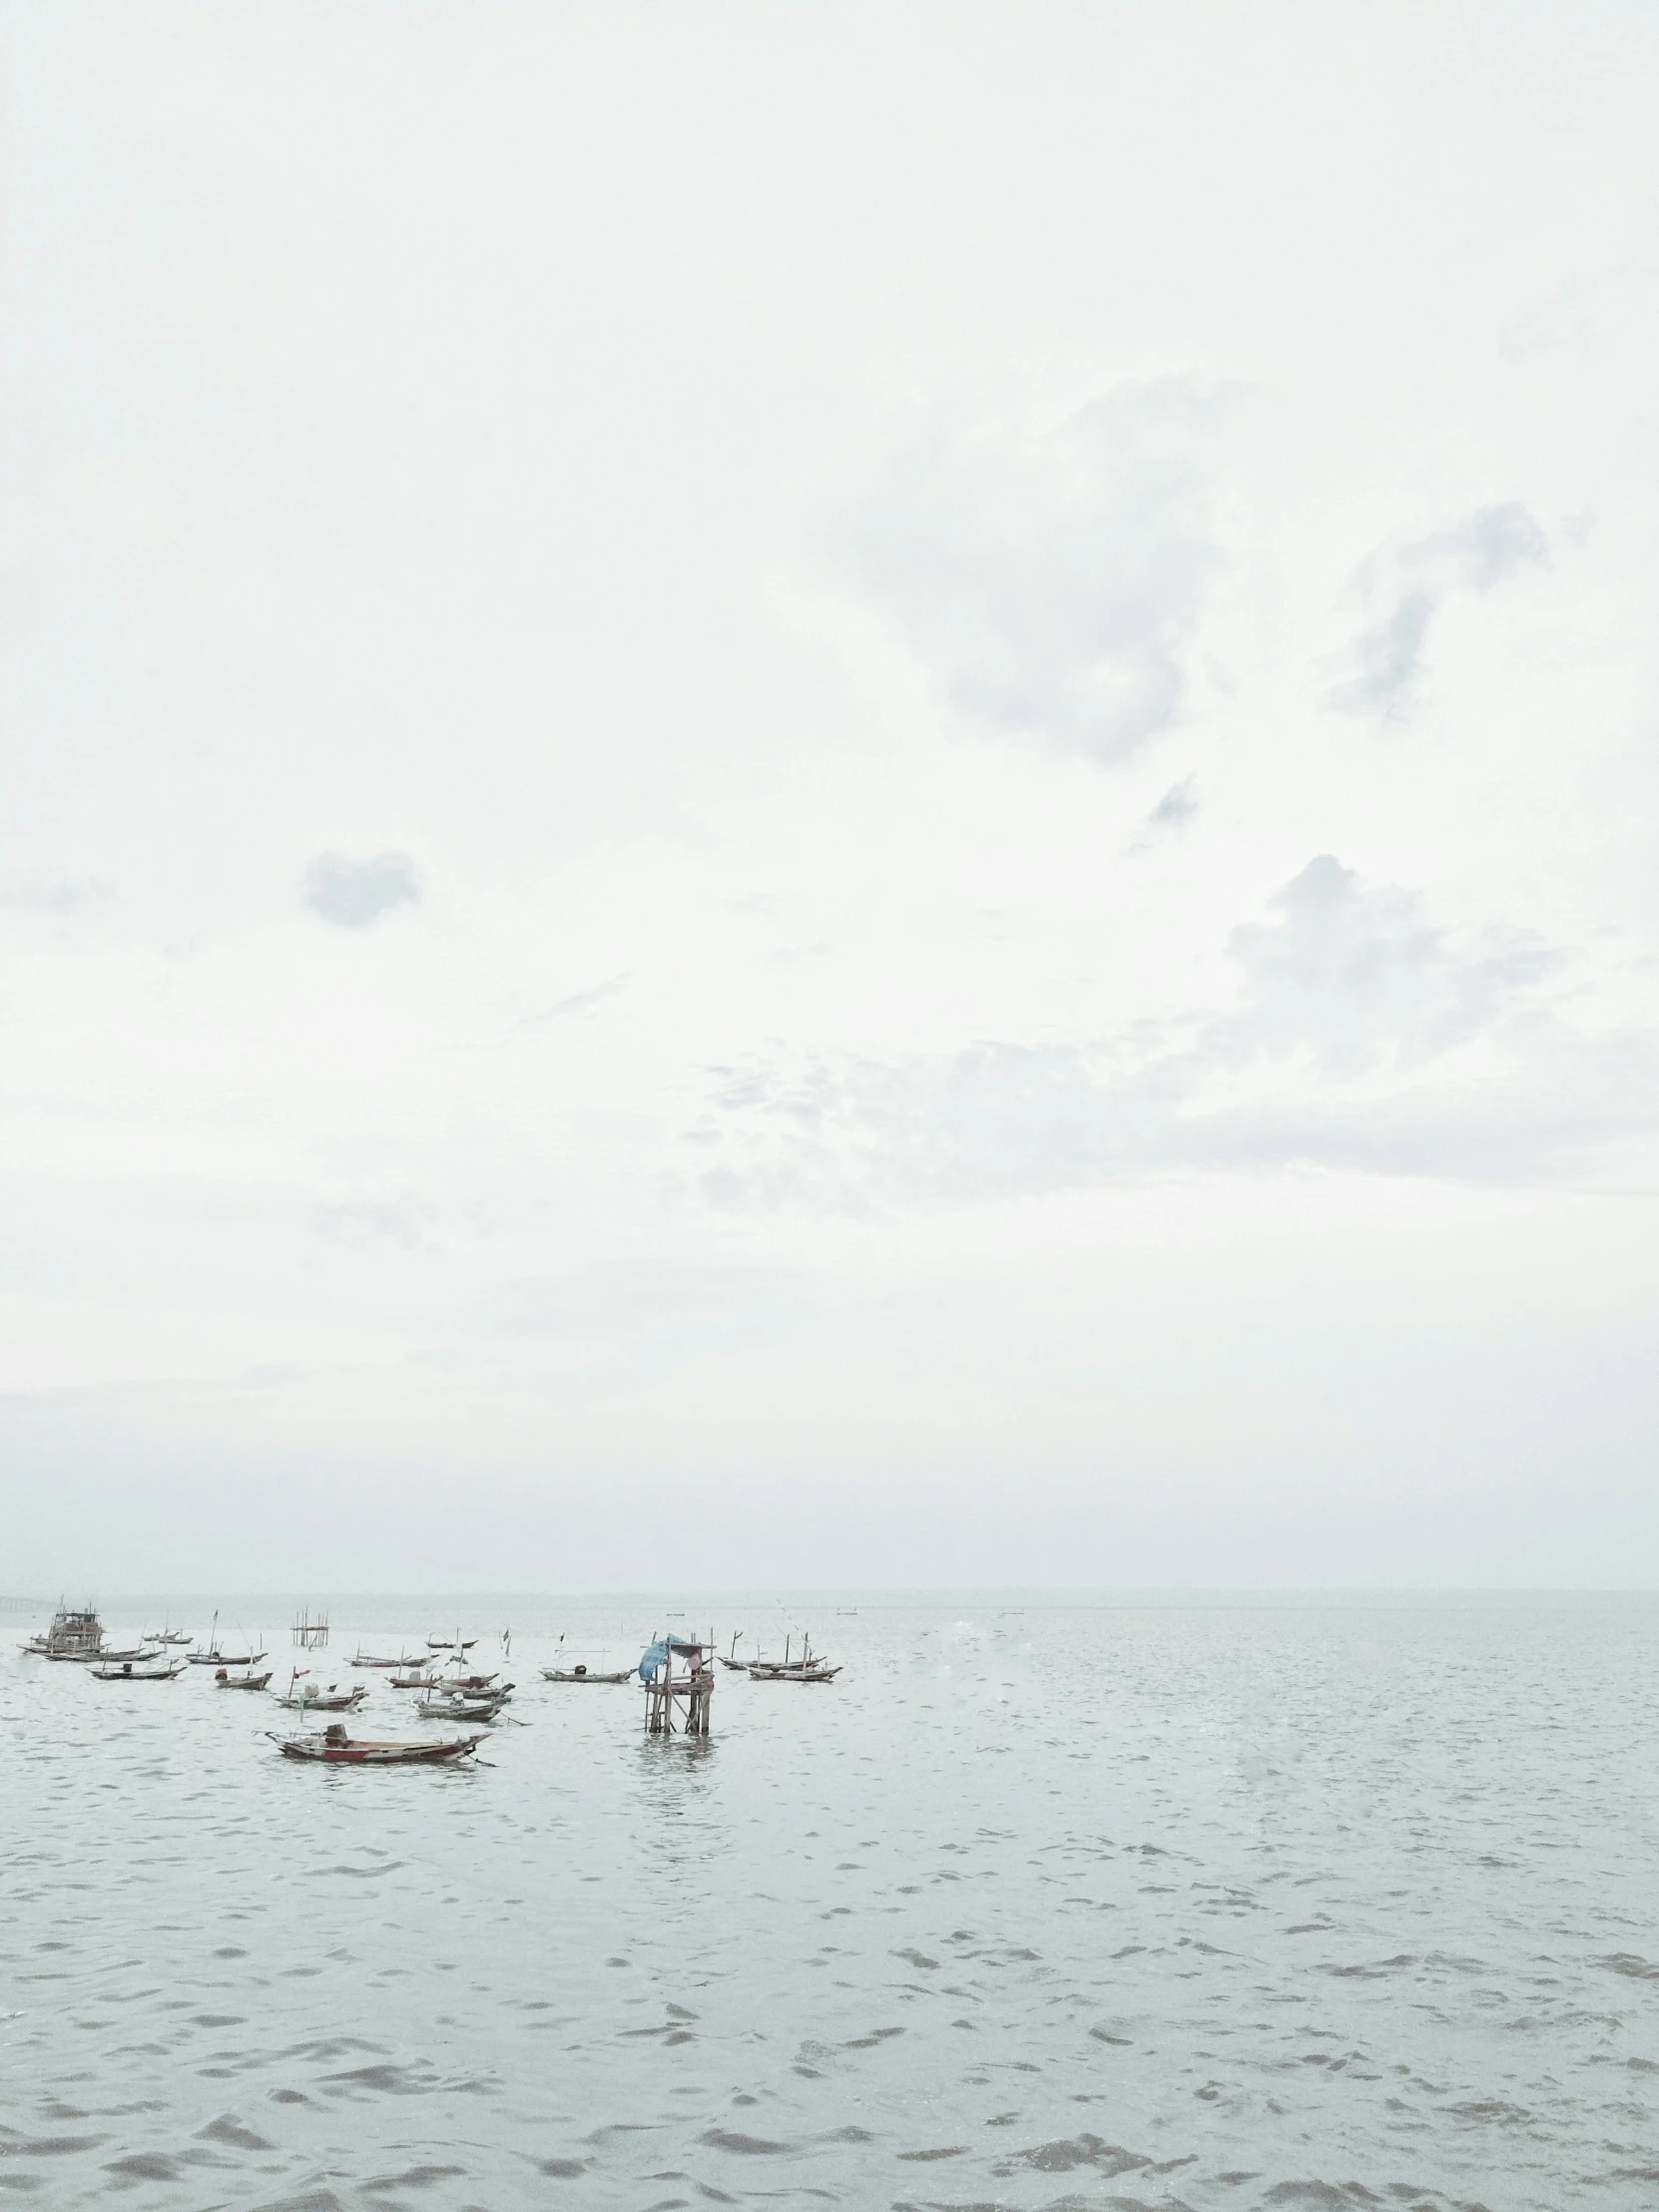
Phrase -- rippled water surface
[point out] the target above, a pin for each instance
(1120, 1909)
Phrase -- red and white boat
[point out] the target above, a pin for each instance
(336, 1748)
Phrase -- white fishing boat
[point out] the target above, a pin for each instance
(134, 1670)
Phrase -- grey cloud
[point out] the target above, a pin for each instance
(1486, 549)
(53, 899)
(1052, 584)
(1354, 977)
(354, 894)
(1494, 544)
(369, 1222)
(654, 1314)
(1173, 813)
(1179, 804)
(1348, 1047)
(1386, 656)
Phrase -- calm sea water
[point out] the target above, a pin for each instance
(1157, 1908)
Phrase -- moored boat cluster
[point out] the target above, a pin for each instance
(450, 1690)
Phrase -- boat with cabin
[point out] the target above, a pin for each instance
(75, 1633)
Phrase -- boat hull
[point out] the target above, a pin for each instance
(365, 1754)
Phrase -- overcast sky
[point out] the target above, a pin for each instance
(851, 794)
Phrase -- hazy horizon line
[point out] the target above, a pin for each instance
(876, 1597)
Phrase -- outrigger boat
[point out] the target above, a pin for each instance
(363, 1659)
(108, 1657)
(336, 1748)
(132, 1670)
(167, 1634)
(224, 1680)
(214, 1657)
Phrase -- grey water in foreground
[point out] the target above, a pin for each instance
(1221, 1908)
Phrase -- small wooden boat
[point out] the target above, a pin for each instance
(581, 1674)
(408, 1659)
(167, 1634)
(454, 1694)
(804, 1669)
(448, 1643)
(313, 1698)
(336, 1748)
(224, 1680)
(138, 1653)
(418, 1681)
(214, 1657)
(459, 1709)
(133, 1670)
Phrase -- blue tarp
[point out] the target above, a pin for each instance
(661, 1655)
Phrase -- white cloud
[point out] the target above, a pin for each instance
(1364, 1037)
(1052, 583)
